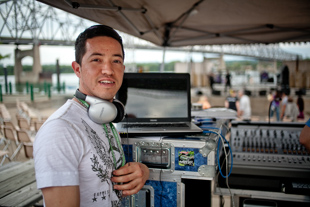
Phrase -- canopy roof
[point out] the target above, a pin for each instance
(199, 22)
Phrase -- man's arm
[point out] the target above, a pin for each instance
(133, 176)
(61, 196)
(238, 106)
(304, 138)
(283, 111)
(226, 104)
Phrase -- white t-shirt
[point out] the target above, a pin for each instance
(284, 101)
(72, 150)
(245, 106)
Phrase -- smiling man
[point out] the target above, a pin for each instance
(79, 161)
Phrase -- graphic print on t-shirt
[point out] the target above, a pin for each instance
(102, 166)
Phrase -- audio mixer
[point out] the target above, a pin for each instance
(268, 157)
(261, 148)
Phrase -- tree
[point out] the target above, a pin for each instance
(4, 56)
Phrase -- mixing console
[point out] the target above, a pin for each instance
(272, 149)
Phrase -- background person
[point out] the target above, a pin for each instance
(301, 107)
(211, 81)
(203, 100)
(283, 104)
(232, 102)
(291, 110)
(79, 162)
(228, 81)
(275, 105)
(244, 111)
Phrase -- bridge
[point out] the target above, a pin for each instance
(29, 22)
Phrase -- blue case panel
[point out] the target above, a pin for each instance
(128, 152)
(165, 193)
(189, 159)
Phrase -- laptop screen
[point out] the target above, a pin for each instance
(156, 97)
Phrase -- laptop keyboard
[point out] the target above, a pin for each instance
(155, 125)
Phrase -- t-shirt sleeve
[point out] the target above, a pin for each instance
(57, 153)
(308, 123)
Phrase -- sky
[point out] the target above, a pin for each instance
(65, 54)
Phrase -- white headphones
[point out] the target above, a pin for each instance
(101, 111)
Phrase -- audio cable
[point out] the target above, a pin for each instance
(226, 159)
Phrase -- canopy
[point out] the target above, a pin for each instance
(199, 22)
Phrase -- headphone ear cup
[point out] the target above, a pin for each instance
(120, 111)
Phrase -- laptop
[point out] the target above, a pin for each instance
(156, 104)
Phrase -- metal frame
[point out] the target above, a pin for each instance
(31, 22)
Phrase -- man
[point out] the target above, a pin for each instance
(244, 111)
(305, 136)
(211, 81)
(228, 82)
(79, 162)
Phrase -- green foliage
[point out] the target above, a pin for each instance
(9, 69)
(45, 68)
(4, 56)
(155, 67)
(237, 65)
(147, 67)
(52, 68)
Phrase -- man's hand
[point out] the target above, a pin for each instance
(305, 137)
(132, 176)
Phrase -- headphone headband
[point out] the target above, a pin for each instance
(80, 95)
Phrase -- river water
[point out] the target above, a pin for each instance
(69, 80)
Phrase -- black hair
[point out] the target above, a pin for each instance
(91, 32)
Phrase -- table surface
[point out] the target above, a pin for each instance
(18, 184)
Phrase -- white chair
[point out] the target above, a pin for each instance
(10, 134)
(4, 155)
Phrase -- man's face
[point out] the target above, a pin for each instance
(102, 68)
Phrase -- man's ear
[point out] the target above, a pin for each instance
(76, 68)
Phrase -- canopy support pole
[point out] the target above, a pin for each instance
(162, 67)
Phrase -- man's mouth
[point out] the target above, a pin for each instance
(107, 82)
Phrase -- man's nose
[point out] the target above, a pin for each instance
(107, 68)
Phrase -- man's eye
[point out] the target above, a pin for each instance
(96, 60)
(117, 61)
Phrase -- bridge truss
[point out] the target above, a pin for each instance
(24, 22)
